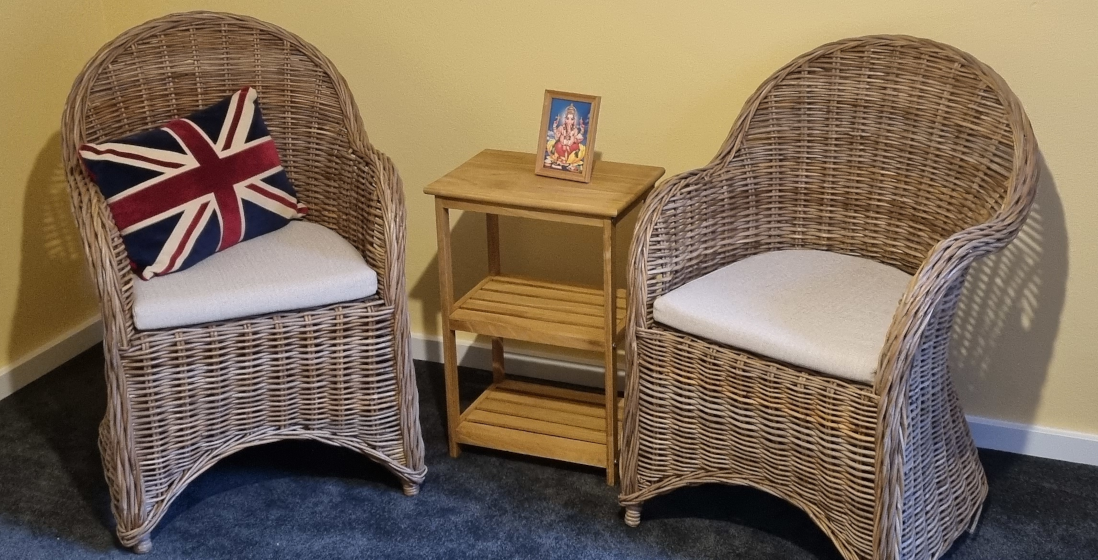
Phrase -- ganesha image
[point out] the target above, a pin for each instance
(566, 148)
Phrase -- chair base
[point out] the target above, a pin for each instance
(975, 519)
(410, 478)
(633, 515)
(144, 545)
(149, 460)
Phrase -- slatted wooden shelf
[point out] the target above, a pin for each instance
(536, 311)
(569, 425)
(540, 420)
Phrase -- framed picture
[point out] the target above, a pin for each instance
(566, 141)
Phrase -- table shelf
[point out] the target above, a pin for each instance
(532, 310)
(540, 420)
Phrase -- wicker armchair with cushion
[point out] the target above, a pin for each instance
(195, 369)
(791, 301)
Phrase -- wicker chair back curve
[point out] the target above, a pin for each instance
(885, 146)
(168, 68)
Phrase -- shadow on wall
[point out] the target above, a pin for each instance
(55, 292)
(468, 240)
(1009, 315)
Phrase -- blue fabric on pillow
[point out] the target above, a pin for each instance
(195, 186)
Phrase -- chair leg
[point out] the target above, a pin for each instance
(127, 495)
(633, 515)
(975, 519)
(144, 545)
(411, 488)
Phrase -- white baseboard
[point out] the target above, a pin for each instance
(50, 355)
(541, 366)
(1036, 441)
(1025, 439)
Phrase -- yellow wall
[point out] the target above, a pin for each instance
(438, 81)
(44, 289)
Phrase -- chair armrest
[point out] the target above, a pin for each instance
(922, 323)
(931, 297)
(379, 229)
(107, 259)
(691, 224)
(933, 291)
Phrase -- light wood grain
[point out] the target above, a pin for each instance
(536, 311)
(565, 423)
(494, 267)
(519, 328)
(507, 179)
(549, 427)
(529, 443)
(585, 309)
(518, 212)
(552, 403)
(548, 315)
(609, 354)
(554, 291)
(464, 298)
(550, 391)
(503, 406)
(477, 403)
(449, 342)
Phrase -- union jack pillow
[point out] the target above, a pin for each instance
(195, 186)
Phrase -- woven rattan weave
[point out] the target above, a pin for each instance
(897, 149)
(181, 399)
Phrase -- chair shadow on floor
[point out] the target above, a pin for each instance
(744, 507)
(289, 459)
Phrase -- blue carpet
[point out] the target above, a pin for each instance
(307, 500)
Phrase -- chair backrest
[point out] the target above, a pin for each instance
(174, 65)
(879, 147)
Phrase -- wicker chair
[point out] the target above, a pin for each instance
(901, 150)
(180, 399)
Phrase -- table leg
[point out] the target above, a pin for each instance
(449, 343)
(610, 354)
(453, 404)
(494, 269)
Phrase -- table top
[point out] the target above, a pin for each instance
(507, 178)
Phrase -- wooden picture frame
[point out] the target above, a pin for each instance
(576, 115)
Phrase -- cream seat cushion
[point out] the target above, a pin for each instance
(823, 311)
(298, 266)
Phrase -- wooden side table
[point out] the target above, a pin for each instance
(529, 418)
